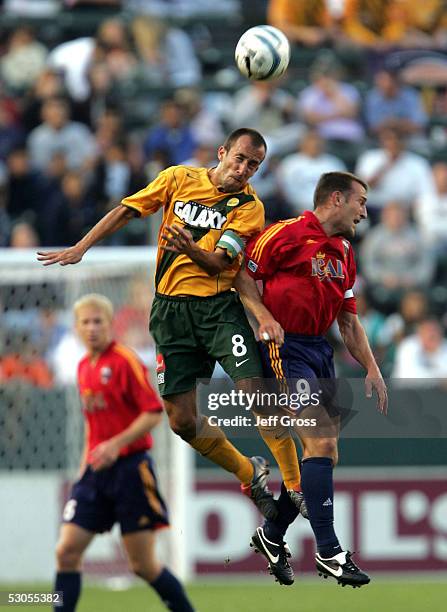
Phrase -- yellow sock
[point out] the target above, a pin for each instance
(282, 447)
(212, 443)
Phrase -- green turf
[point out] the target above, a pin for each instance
(380, 596)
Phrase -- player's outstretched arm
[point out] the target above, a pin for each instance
(269, 328)
(114, 220)
(356, 341)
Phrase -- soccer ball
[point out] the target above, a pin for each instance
(262, 53)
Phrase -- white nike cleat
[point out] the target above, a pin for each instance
(342, 568)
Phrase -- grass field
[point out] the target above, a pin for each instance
(380, 596)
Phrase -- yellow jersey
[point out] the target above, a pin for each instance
(215, 219)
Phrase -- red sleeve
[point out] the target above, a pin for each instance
(349, 303)
(140, 390)
(265, 252)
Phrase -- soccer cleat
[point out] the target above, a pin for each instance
(342, 568)
(298, 499)
(258, 490)
(276, 555)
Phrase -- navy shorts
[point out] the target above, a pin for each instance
(303, 364)
(126, 493)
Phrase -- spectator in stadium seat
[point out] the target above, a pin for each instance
(298, 173)
(21, 362)
(58, 134)
(109, 129)
(414, 307)
(23, 236)
(393, 172)
(103, 97)
(204, 156)
(426, 22)
(172, 135)
(23, 61)
(305, 22)
(265, 106)
(422, 355)
(110, 45)
(330, 105)
(391, 104)
(11, 132)
(205, 123)
(70, 212)
(25, 191)
(49, 84)
(167, 53)
(430, 210)
(376, 24)
(374, 323)
(114, 177)
(392, 259)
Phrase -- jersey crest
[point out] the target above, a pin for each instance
(105, 374)
(324, 268)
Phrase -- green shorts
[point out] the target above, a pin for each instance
(192, 333)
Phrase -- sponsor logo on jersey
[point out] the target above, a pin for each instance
(194, 214)
(233, 202)
(161, 367)
(252, 265)
(105, 374)
(325, 268)
(93, 401)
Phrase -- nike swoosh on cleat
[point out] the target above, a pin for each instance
(239, 363)
(269, 554)
(335, 572)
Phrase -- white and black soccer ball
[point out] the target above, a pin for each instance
(262, 53)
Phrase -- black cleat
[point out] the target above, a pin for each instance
(342, 568)
(297, 498)
(276, 555)
(258, 490)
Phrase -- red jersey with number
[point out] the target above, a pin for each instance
(307, 275)
(114, 392)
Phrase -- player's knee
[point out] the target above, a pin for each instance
(183, 425)
(68, 557)
(325, 447)
(147, 570)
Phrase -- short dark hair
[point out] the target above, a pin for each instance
(335, 181)
(257, 140)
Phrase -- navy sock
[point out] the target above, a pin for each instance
(318, 488)
(70, 585)
(287, 513)
(171, 592)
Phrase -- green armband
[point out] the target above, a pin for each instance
(232, 243)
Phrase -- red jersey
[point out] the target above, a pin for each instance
(114, 392)
(307, 275)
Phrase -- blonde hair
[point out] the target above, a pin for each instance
(94, 299)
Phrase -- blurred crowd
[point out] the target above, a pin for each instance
(88, 119)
